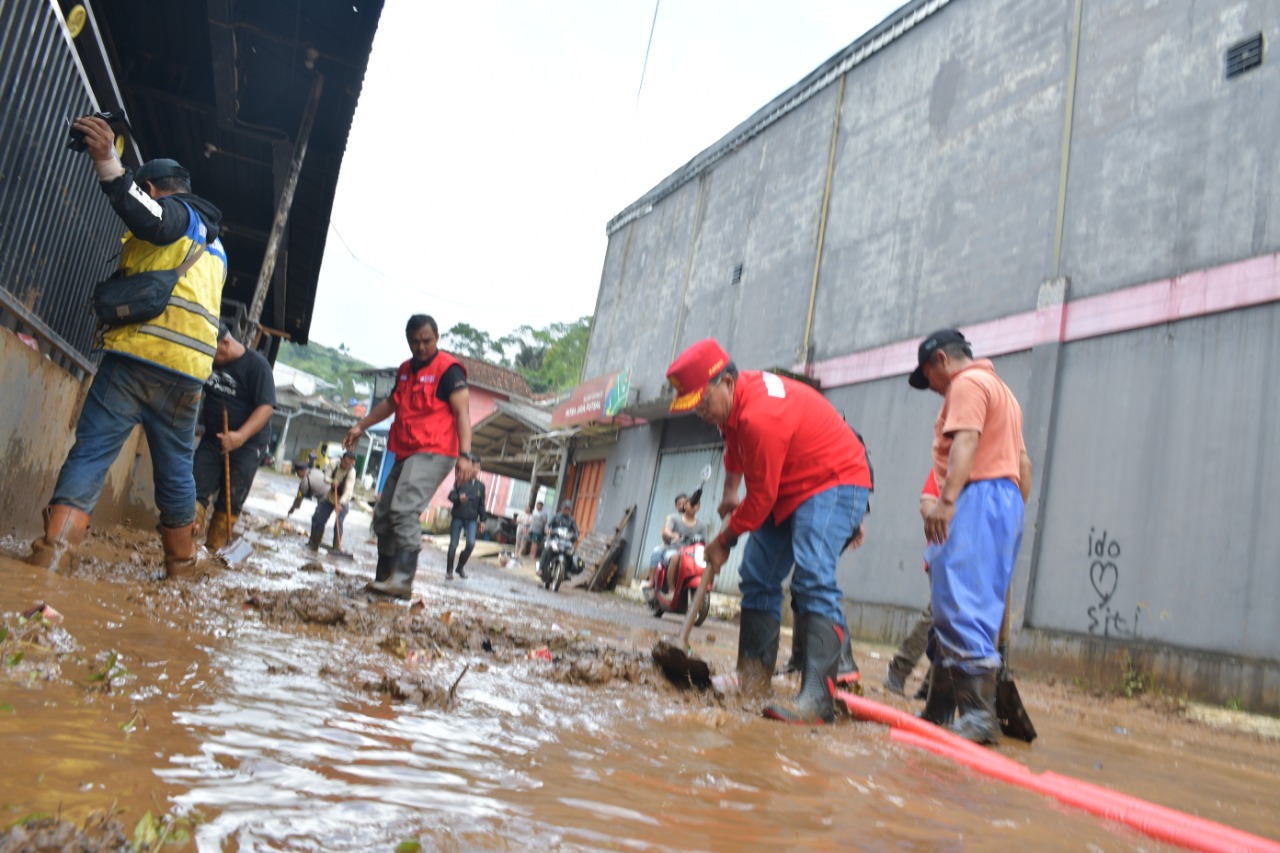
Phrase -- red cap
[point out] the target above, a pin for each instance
(693, 370)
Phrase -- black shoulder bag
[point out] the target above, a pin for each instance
(137, 298)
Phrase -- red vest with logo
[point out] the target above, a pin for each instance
(424, 423)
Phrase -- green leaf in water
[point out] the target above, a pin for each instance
(14, 659)
(4, 634)
(146, 833)
(6, 708)
(413, 845)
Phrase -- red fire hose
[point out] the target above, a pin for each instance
(1154, 820)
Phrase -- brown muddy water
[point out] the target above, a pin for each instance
(272, 708)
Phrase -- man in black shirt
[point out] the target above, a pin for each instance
(468, 510)
(242, 390)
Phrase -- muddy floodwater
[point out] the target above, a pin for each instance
(271, 707)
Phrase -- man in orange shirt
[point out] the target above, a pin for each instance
(974, 530)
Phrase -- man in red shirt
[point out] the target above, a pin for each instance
(431, 435)
(807, 482)
(974, 530)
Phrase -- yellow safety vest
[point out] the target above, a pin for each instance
(185, 337)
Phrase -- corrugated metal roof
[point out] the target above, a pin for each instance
(221, 86)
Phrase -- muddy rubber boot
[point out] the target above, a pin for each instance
(895, 682)
(758, 634)
(383, 570)
(796, 664)
(64, 529)
(923, 693)
(317, 534)
(815, 703)
(462, 561)
(848, 677)
(448, 567)
(400, 584)
(940, 706)
(219, 530)
(976, 706)
(201, 511)
(180, 556)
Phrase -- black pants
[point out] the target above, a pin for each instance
(211, 477)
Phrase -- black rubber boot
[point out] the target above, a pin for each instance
(317, 533)
(462, 561)
(815, 703)
(976, 704)
(448, 566)
(923, 693)
(895, 682)
(940, 707)
(796, 664)
(400, 584)
(847, 675)
(758, 634)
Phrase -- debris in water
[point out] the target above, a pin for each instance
(313, 566)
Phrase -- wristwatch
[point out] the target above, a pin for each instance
(727, 539)
(469, 455)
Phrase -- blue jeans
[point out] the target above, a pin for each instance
(970, 572)
(320, 518)
(455, 530)
(811, 540)
(126, 392)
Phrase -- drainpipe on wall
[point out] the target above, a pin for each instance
(806, 349)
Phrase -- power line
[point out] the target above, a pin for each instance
(643, 68)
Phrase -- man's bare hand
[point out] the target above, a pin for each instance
(727, 505)
(464, 470)
(859, 536)
(99, 138)
(230, 441)
(353, 435)
(937, 524)
(715, 554)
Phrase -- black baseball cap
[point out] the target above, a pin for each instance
(161, 168)
(928, 347)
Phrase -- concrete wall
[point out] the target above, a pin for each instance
(37, 428)
(961, 194)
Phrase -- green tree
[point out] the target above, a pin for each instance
(467, 340)
(550, 359)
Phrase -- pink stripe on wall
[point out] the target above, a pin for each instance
(1255, 281)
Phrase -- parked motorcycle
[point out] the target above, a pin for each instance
(688, 577)
(559, 559)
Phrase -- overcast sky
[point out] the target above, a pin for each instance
(495, 138)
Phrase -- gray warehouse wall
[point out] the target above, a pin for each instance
(1173, 167)
(979, 176)
(1166, 454)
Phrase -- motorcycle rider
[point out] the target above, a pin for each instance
(564, 518)
(688, 530)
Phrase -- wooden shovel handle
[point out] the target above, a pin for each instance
(708, 578)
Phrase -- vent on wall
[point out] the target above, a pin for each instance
(737, 275)
(1244, 56)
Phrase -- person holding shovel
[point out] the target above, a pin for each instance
(807, 485)
(430, 436)
(974, 530)
(340, 488)
(240, 396)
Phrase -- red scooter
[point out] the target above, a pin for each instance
(690, 568)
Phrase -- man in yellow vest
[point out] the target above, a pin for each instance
(152, 373)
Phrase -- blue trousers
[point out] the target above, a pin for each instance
(320, 518)
(811, 541)
(970, 573)
(127, 392)
(456, 528)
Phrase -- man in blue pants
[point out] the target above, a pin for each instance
(974, 530)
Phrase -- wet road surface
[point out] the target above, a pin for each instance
(276, 709)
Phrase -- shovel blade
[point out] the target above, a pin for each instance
(234, 552)
(680, 668)
(1014, 721)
